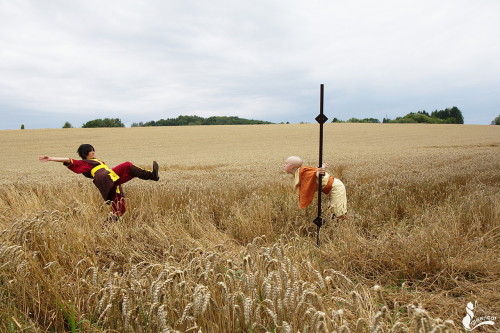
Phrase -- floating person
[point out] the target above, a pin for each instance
(306, 182)
(108, 181)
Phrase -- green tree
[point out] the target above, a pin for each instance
(450, 116)
(67, 125)
(106, 122)
(457, 115)
(496, 121)
(22, 126)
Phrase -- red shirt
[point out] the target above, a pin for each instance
(103, 178)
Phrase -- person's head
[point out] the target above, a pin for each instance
(292, 163)
(84, 150)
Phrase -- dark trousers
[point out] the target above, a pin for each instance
(126, 171)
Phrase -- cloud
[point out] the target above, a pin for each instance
(261, 59)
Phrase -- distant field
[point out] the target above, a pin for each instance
(220, 245)
(369, 145)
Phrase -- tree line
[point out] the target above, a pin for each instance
(447, 116)
(179, 121)
(196, 120)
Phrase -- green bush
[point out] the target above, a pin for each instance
(106, 122)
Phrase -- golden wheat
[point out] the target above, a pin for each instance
(219, 245)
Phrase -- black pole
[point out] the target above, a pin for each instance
(321, 119)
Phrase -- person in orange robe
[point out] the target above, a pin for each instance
(306, 182)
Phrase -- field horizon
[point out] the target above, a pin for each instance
(220, 245)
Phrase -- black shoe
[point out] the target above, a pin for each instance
(112, 218)
(156, 176)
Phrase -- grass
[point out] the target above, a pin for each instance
(219, 244)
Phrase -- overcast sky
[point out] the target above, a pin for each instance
(72, 60)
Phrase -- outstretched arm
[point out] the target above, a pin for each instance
(77, 166)
(45, 158)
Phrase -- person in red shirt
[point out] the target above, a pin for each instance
(108, 181)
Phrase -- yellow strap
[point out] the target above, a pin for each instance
(114, 177)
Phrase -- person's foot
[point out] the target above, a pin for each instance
(156, 176)
(112, 218)
(341, 217)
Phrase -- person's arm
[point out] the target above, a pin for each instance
(322, 170)
(46, 158)
(77, 166)
(326, 176)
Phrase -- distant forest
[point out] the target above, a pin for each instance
(196, 120)
(447, 116)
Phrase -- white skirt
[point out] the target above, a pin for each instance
(338, 198)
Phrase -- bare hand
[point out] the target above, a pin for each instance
(44, 158)
(322, 170)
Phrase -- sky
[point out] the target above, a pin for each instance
(79, 60)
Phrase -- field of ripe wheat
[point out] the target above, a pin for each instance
(220, 245)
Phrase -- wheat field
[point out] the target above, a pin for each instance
(220, 245)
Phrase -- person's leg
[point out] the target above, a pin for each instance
(123, 171)
(338, 198)
(118, 203)
(141, 173)
(128, 171)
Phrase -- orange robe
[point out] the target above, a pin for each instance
(307, 184)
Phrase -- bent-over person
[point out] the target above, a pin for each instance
(306, 182)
